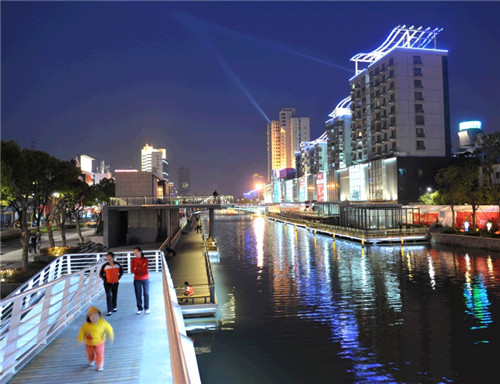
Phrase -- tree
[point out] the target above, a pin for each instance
(22, 171)
(447, 181)
(431, 198)
(489, 156)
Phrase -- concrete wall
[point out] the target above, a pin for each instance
(142, 226)
(136, 184)
(111, 227)
(467, 241)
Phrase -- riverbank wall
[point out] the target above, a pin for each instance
(466, 241)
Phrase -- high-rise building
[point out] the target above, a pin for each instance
(400, 102)
(86, 165)
(184, 181)
(276, 147)
(286, 115)
(154, 160)
(299, 128)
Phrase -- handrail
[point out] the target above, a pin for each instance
(181, 373)
(362, 233)
(210, 275)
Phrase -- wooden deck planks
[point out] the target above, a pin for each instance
(139, 353)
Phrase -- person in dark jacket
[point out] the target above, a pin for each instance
(111, 273)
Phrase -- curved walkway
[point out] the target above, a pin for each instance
(139, 353)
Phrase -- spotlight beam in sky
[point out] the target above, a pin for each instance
(186, 18)
(224, 65)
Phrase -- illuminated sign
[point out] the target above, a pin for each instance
(320, 186)
(302, 189)
(469, 125)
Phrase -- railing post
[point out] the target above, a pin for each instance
(45, 315)
(11, 345)
(69, 264)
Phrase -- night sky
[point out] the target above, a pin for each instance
(105, 78)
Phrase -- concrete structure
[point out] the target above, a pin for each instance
(184, 181)
(131, 183)
(155, 160)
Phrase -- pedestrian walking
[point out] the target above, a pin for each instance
(33, 243)
(139, 267)
(93, 331)
(38, 236)
(111, 273)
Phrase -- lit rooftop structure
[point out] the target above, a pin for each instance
(343, 108)
(400, 37)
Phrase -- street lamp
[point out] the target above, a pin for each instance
(429, 189)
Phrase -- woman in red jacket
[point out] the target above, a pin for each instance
(139, 267)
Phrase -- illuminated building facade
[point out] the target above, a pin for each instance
(467, 133)
(155, 160)
(299, 128)
(86, 165)
(276, 147)
(399, 122)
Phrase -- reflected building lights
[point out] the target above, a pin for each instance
(431, 271)
(259, 228)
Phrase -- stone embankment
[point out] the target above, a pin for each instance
(467, 241)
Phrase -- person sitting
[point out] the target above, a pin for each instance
(188, 290)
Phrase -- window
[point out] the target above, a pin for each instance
(392, 98)
(393, 147)
(391, 73)
(417, 83)
(402, 171)
(393, 121)
(419, 108)
(417, 71)
(420, 144)
(420, 172)
(393, 134)
(419, 96)
(391, 61)
(419, 120)
(417, 60)
(420, 132)
(392, 85)
(383, 67)
(393, 109)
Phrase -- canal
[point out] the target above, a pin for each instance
(300, 308)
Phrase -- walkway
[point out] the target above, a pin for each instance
(11, 251)
(139, 354)
(189, 263)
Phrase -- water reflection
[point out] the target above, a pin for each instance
(340, 312)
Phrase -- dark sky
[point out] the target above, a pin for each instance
(104, 78)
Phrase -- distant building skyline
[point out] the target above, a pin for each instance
(155, 160)
(184, 181)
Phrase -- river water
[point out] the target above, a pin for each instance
(300, 308)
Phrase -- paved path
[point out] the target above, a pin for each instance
(139, 353)
(11, 251)
(189, 262)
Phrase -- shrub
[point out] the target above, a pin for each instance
(58, 251)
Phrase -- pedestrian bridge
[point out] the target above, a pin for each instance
(40, 321)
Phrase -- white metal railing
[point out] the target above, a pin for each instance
(182, 355)
(32, 319)
(33, 315)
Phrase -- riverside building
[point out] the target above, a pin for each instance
(387, 139)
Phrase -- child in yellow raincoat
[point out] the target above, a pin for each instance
(94, 331)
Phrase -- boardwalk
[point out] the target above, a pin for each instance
(139, 353)
(189, 263)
